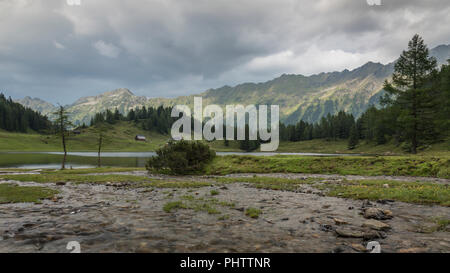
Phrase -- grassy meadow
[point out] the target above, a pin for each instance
(355, 165)
(120, 138)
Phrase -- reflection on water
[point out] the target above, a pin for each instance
(52, 160)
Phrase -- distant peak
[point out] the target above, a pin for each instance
(443, 46)
(370, 63)
(123, 91)
(120, 91)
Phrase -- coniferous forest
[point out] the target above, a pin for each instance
(14, 117)
(149, 119)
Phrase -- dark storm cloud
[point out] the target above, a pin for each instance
(58, 52)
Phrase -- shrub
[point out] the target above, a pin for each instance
(182, 157)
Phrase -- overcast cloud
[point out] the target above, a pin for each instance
(168, 48)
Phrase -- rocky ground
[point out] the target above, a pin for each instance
(119, 217)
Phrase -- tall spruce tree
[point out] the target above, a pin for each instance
(410, 92)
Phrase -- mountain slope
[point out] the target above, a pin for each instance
(84, 108)
(38, 105)
(300, 97)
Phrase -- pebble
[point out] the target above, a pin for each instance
(375, 224)
(350, 233)
(358, 247)
(338, 221)
(378, 214)
(412, 250)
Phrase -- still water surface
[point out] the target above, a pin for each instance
(52, 160)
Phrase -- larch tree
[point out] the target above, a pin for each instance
(63, 124)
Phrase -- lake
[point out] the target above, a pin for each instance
(52, 160)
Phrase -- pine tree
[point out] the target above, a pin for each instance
(412, 71)
(353, 138)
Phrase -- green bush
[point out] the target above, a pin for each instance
(182, 157)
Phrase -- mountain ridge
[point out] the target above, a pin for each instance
(300, 97)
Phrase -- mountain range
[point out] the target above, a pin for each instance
(300, 97)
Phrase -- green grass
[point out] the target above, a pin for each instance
(93, 170)
(410, 192)
(269, 183)
(340, 146)
(214, 192)
(175, 184)
(208, 205)
(174, 205)
(223, 217)
(68, 176)
(119, 137)
(355, 165)
(81, 176)
(441, 224)
(253, 212)
(61, 177)
(17, 194)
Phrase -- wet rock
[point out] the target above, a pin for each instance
(285, 219)
(385, 201)
(359, 247)
(240, 209)
(412, 250)
(351, 233)
(338, 249)
(326, 206)
(60, 183)
(350, 208)
(339, 222)
(224, 188)
(375, 224)
(326, 228)
(378, 214)
(8, 234)
(342, 249)
(366, 203)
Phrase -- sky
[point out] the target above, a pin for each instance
(60, 51)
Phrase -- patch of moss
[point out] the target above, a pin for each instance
(269, 183)
(410, 192)
(253, 212)
(17, 194)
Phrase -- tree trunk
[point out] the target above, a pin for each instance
(414, 134)
(414, 110)
(65, 151)
(99, 150)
